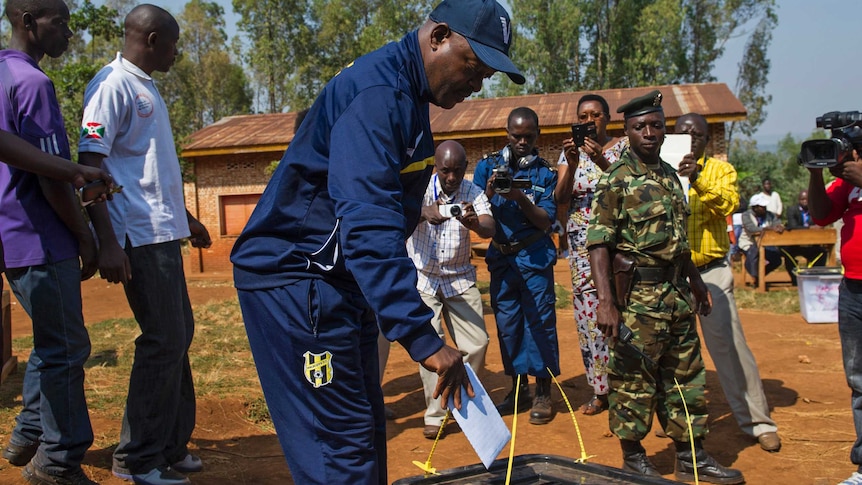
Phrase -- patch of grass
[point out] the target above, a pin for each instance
(781, 302)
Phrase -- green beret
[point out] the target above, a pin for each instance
(642, 105)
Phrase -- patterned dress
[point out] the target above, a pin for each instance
(594, 350)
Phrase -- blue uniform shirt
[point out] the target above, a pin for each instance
(348, 192)
(512, 224)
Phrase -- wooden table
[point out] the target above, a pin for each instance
(796, 237)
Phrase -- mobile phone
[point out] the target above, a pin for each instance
(95, 189)
(582, 131)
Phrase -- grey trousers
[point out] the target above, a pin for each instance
(734, 362)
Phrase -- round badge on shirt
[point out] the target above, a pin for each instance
(144, 105)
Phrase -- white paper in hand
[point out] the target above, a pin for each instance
(481, 423)
(675, 147)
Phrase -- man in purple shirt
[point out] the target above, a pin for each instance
(43, 234)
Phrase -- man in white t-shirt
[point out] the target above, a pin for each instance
(126, 130)
(440, 249)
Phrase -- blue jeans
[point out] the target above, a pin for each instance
(160, 407)
(55, 409)
(850, 330)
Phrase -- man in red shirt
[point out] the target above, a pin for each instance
(843, 200)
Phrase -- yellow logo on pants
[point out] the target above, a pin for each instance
(318, 368)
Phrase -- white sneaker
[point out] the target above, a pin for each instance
(189, 464)
(854, 479)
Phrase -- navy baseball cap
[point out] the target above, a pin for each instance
(486, 26)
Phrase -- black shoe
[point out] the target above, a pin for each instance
(542, 411)
(708, 470)
(639, 463)
(34, 474)
(19, 455)
(508, 405)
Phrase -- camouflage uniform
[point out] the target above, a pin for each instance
(643, 213)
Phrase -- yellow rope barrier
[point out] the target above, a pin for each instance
(584, 457)
(690, 435)
(426, 467)
(514, 427)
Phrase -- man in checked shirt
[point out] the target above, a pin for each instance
(440, 249)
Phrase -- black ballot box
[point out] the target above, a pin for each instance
(536, 469)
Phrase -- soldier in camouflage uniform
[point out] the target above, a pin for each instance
(640, 210)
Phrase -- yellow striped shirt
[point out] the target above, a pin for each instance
(712, 197)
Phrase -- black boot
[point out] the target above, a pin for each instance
(508, 405)
(635, 459)
(708, 470)
(543, 411)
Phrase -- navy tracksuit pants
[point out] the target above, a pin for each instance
(315, 348)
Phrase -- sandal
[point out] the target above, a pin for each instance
(595, 405)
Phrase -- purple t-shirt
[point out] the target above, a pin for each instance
(30, 230)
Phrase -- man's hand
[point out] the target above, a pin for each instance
(431, 214)
(448, 364)
(688, 166)
(608, 320)
(702, 297)
(89, 256)
(114, 264)
(85, 174)
(468, 217)
(851, 170)
(200, 237)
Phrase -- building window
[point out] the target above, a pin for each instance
(235, 211)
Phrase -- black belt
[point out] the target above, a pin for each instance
(715, 263)
(512, 247)
(659, 274)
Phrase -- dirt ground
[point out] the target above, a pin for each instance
(800, 365)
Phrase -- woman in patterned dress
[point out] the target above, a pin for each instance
(575, 186)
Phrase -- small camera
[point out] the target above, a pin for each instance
(582, 131)
(846, 130)
(451, 210)
(504, 183)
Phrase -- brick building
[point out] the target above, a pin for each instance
(230, 157)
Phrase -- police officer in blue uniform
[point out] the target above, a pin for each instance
(322, 262)
(520, 186)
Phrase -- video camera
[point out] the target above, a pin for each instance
(846, 129)
(504, 183)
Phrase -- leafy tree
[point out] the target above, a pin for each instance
(574, 45)
(204, 85)
(72, 71)
(280, 44)
(754, 76)
(780, 166)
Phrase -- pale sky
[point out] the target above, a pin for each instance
(814, 62)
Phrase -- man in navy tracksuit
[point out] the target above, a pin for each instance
(322, 263)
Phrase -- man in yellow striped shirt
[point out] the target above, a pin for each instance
(712, 197)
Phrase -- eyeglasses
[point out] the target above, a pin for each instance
(595, 115)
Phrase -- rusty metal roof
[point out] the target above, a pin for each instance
(476, 118)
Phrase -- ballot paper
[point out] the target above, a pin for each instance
(481, 423)
(672, 150)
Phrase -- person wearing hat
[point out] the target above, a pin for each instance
(638, 230)
(321, 266)
(754, 221)
(713, 196)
